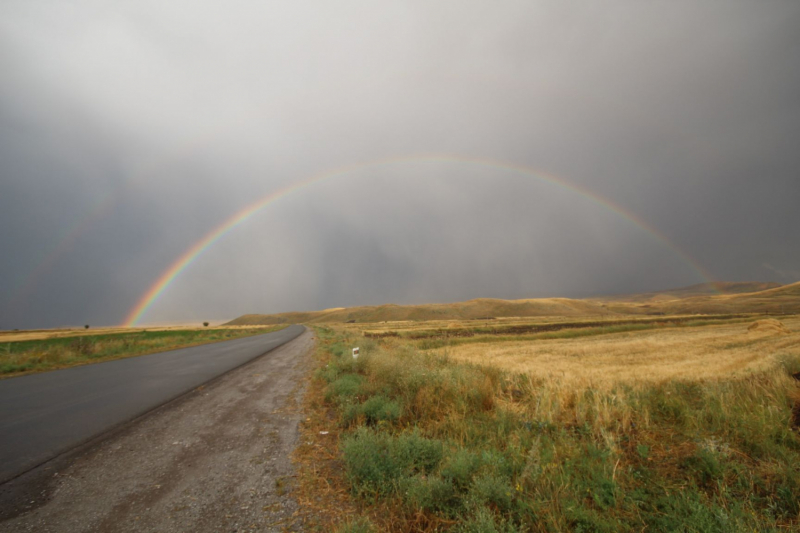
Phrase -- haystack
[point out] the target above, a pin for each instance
(768, 325)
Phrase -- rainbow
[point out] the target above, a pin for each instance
(175, 269)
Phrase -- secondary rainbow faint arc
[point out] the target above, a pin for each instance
(70, 236)
(101, 210)
(169, 275)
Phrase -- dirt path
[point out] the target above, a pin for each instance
(216, 459)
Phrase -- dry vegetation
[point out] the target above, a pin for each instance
(659, 426)
(650, 356)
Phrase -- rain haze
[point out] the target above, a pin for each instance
(464, 149)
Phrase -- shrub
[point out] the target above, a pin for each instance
(484, 521)
(376, 461)
(379, 408)
(492, 490)
(419, 453)
(357, 525)
(428, 493)
(329, 372)
(345, 388)
(688, 511)
(583, 519)
(337, 349)
(374, 411)
(460, 468)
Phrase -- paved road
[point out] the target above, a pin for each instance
(43, 415)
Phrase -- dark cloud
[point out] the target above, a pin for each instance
(127, 133)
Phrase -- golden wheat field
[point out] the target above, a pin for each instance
(686, 353)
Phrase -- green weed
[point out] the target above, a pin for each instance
(357, 525)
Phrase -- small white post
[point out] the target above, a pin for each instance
(355, 353)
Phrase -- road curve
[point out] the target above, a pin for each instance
(44, 415)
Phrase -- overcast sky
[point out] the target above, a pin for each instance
(129, 130)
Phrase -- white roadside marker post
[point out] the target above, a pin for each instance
(355, 353)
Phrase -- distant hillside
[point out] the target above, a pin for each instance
(701, 289)
(472, 309)
(773, 298)
(781, 299)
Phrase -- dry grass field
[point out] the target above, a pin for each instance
(518, 424)
(687, 353)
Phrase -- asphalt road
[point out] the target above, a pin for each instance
(44, 415)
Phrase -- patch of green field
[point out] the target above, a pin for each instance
(48, 354)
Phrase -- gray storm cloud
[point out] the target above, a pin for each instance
(130, 131)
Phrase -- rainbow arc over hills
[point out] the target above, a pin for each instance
(193, 252)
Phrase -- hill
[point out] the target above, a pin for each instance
(701, 289)
(469, 310)
(778, 300)
(697, 299)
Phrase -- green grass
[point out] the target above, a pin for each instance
(459, 452)
(48, 354)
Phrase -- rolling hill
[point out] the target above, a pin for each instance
(701, 289)
(719, 298)
(778, 300)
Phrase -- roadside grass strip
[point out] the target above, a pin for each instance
(24, 357)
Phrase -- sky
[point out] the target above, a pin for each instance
(495, 149)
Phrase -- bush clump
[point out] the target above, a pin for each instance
(492, 490)
(345, 388)
(376, 461)
(429, 493)
(485, 521)
(380, 408)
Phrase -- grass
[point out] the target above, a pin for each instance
(427, 343)
(635, 355)
(429, 441)
(23, 357)
(549, 329)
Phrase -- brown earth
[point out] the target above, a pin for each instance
(216, 459)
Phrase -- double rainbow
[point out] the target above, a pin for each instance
(175, 269)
